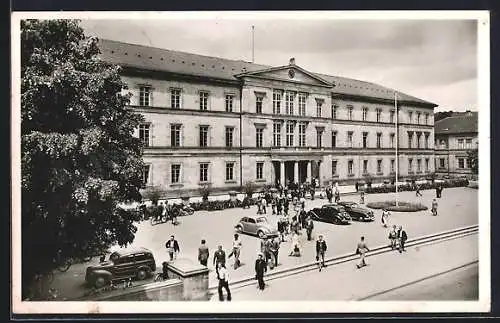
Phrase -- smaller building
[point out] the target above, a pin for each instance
(455, 136)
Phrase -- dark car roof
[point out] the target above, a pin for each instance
(334, 206)
(347, 203)
(130, 251)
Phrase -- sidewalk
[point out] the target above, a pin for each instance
(345, 282)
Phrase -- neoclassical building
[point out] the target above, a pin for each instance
(227, 122)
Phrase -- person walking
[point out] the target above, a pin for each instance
(236, 250)
(393, 237)
(361, 251)
(417, 190)
(362, 196)
(329, 193)
(309, 228)
(286, 205)
(320, 252)
(295, 245)
(434, 208)
(264, 205)
(402, 236)
(337, 195)
(274, 248)
(172, 248)
(385, 217)
(203, 253)
(219, 257)
(223, 277)
(260, 269)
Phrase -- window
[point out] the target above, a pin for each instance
(175, 135)
(427, 164)
(289, 102)
(426, 141)
(350, 168)
(302, 104)
(175, 173)
(144, 134)
(349, 112)
(393, 162)
(419, 165)
(391, 119)
(418, 117)
(260, 170)
(258, 104)
(175, 98)
(334, 139)
(392, 136)
(277, 134)
(319, 138)
(334, 167)
(410, 117)
(302, 134)
(426, 118)
(289, 134)
(410, 165)
(258, 137)
(229, 171)
(460, 144)
(203, 101)
(335, 110)
(277, 101)
(461, 163)
(365, 166)
(145, 96)
(204, 172)
(441, 162)
(410, 140)
(379, 140)
(379, 115)
(365, 113)
(319, 108)
(419, 135)
(468, 143)
(229, 102)
(349, 139)
(229, 136)
(145, 175)
(203, 136)
(365, 139)
(379, 166)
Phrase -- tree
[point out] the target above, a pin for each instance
(79, 156)
(442, 114)
(473, 161)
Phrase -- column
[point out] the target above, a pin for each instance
(282, 173)
(309, 171)
(296, 171)
(320, 164)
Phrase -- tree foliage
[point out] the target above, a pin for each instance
(473, 160)
(79, 156)
(442, 114)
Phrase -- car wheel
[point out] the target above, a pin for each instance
(261, 234)
(239, 228)
(141, 274)
(99, 282)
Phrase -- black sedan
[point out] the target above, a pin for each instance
(357, 212)
(330, 213)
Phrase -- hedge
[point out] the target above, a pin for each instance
(425, 186)
(402, 206)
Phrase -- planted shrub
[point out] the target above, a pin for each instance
(153, 193)
(205, 191)
(249, 188)
(425, 186)
(402, 206)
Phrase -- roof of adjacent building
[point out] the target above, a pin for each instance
(462, 123)
(157, 59)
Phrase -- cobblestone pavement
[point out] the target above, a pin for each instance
(458, 207)
(385, 272)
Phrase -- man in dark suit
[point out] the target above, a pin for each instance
(320, 252)
(260, 269)
(203, 253)
(219, 256)
(402, 237)
(172, 247)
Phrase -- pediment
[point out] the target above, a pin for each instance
(291, 73)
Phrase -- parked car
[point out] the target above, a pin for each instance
(123, 264)
(357, 212)
(256, 225)
(331, 213)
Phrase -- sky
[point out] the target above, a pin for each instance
(435, 60)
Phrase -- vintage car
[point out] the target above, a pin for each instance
(256, 225)
(357, 212)
(123, 264)
(331, 213)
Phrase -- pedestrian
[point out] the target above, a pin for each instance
(393, 237)
(295, 245)
(279, 205)
(309, 228)
(286, 205)
(417, 191)
(402, 236)
(172, 247)
(385, 217)
(260, 269)
(362, 196)
(273, 205)
(268, 243)
(219, 256)
(320, 252)
(356, 186)
(163, 212)
(281, 228)
(303, 202)
(236, 250)
(329, 194)
(361, 251)
(337, 195)
(203, 253)
(223, 277)
(440, 190)
(434, 208)
(274, 248)
(264, 204)
(303, 218)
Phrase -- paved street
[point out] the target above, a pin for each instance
(388, 271)
(457, 208)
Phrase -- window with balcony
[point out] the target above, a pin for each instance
(365, 166)
(379, 115)
(426, 141)
(391, 116)
(144, 134)
(260, 170)
(379, 140)
(350, 170)
(410, 140)
(365, 139)
(229, 136)
(289, 96)
(145, 96)
(392, 137)
(349, 139)
(319, 108)
(427, 164)
(426, 120)
(229, 171)
(175, 173)
(335, 111)
(289, 134)
(334, 139)
(203, 101)
(419, 165)
(350, 108)
(175, 98)
(410, 165)
(418, 117)
(319, 138)
(334, 167)
(302, 104)
(203, 172)
(441, 163)
(410, 117)
(419, 136)
(229, 102)
(258, 104)
(379, 166)
(277, 134)
(145, 175)
(302, 134)
(259, 135)
(203, 142)
(175, 135)
(365, 113)
(277, 95)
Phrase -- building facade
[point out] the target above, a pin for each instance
(455, 137)
(224, 122)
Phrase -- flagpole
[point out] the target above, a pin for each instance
(253, 44)
(397, 146)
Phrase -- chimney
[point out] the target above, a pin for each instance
(292, 61)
